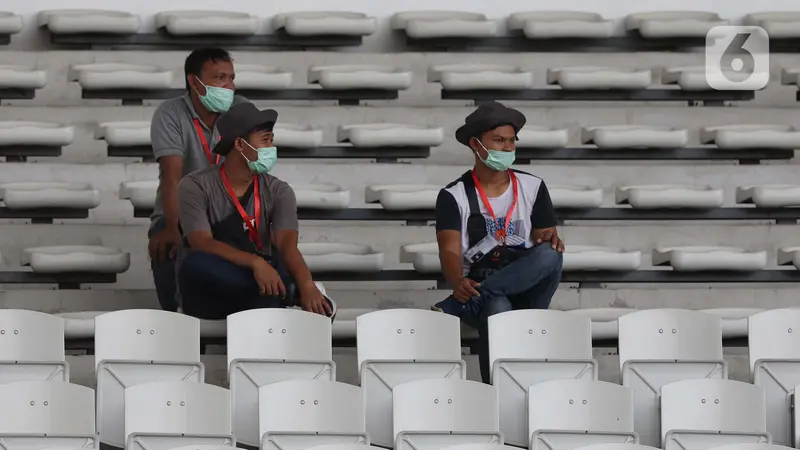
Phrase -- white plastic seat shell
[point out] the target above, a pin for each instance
(589, 78)
(124, 134)
(691, 78)
(297, 136)
(390, 135)
(25, 195)
(699, 258)
(51, 408)
(402, 196)
(789, 256)
(257, 77)
(321, 196)
(47, 134)
(337, 257)
(424, 257)
(635, 136)
(120, 76)
(459, 77)
(669, 196)
(10, 23)
(570, 196)
(777, 24)
(751, 136)
(21, 77)
(325, 23)
(76, 258)
(73, 21)
(561, 24)
(674, 24)
(199, 22)
(593, 257)
(142, 194)
(443, 24)
(533, 136)
(769, 195)
(362, 76)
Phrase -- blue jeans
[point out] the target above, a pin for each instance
(164, 276)
(527, 283)
(212, 288)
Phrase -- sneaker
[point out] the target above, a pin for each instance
(331, 302)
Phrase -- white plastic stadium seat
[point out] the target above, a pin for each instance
(604, 320)
(775, 366)
(673, 24)
(734, 320)
(687, 78)
(297, 136)
(698, 258)
(619, 447)
(789, 256)
(362, 76)
(778, 24)
(120, 76)
(325, 23)
(769, 195)
(403, 196)
(424, 257)
(669, 196)
(635, 136)
(339, 257)
(139, 346)
(443, 24)
(183, 23)
(124, 134)
(479, 447)
(271, 345)
(21, 77)
(660, 346)
(751, 136)
(586, 77)
(390, 135)
(26, 195)
(31, 347)
(465, 77)
(569, 196)
(401, 345)
(74, 21)
(162, 415)
(752, 447)
(566, 414)
(593, 257)
(256, 77)
(561, 24)
(533, 136)
(76, 258)
(434, 413)
(142, 194)
(47, 414)
(321, 196)
(527, 347)
(35, 134)
(701, 414)
(365, 447)
(298, 414)
(10, 23)
(790, 76)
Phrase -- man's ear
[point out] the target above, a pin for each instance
(195, 83)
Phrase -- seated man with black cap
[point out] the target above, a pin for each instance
(496, 229)
(240, 227)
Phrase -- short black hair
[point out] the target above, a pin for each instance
(195, 61)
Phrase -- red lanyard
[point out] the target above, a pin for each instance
(251, 222)
(500, 235)
(204, 142)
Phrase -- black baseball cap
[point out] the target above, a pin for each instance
(239, 121)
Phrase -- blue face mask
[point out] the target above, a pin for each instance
(217, 99)
(498, 160)
(267, 156)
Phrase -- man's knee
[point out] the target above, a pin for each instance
(547, 260)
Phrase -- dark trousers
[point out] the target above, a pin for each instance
(164, 276)
(212, 288)
(528, 283)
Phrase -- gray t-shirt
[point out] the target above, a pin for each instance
(172, 133)
(205, 205)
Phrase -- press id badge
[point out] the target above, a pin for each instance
(481, 249)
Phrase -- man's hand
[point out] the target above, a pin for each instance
(312, 300)
(551, 236)
(465, 290)
(164, 245)
(269, 282)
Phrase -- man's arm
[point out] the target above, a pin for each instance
(544, 221)
(285, 234)
(169, 150)
(192, 207)
(448, 236)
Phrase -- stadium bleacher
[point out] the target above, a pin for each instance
(678, 203)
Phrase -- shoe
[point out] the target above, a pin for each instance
(331, 302)
(450, 306)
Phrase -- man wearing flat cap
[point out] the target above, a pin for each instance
(496, 228)
(240, 228)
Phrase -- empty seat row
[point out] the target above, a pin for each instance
(415, 24)
(452, 77)
(527, 348)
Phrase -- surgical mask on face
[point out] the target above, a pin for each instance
(267, 156)
(498, 160)
(217, 99)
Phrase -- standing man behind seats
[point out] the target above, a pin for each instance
(496, 228)
(183, 132)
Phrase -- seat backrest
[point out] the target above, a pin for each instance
(146, 335)
(669, 334)
(46, 408)
(580, 405)
(712, 405)
(30, 336)
(539, 334)
(277, 334)
(404, 334)
(311, 406)
(445, 405)
(177, 407)
(771, 335)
